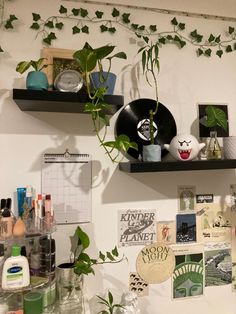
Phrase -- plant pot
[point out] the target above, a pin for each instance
(152, 152)
(37, 80)
(229, 146)
(69, 288)
(104, 79)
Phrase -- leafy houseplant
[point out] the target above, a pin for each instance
(109, 304)
(88, 59)
(35, 79)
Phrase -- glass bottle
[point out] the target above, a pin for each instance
(213, 150)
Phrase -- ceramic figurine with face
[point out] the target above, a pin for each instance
(184, 147)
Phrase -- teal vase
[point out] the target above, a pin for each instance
(104, 79)
(37, 80)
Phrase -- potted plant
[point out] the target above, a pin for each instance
(88, 59)
(70, 274)
(35, 79)
(151, 67)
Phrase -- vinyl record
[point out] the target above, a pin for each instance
(133, 121)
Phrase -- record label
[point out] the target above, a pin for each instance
(133, 121)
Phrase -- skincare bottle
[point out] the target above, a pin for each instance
(6, 224)
(1, 259)
(15, 273)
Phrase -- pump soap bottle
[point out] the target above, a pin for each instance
(15, 273)
(6, 224)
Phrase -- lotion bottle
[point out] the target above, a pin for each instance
(15, 273)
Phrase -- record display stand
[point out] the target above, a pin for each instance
(39, 248)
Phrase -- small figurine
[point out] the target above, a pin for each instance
(184, 147)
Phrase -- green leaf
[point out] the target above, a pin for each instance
(23, 66)
(110, 297)
(219, 53)
(62, 9)
(59, 25)
(234, 46)
(193, 33)
(99, 14)
(103, 28)
(115, 12)
(141, 28)
(83, 12)
(181, 26)
(216, 116)
(146, 39)
(84, 257)
(102, 256)
(125, 18)
(153, 28)
(49, 38)
(211, 38)
(115, 252)
(83, 238)
(144, 60)
(36, 17)
(208, 52)
(49, 24)
(228, 48)
(200, 52)
(110, 257)
(85, 29)
(35, 26)
(231, 30)
(217, 40)
(162, 40)
(176, 38)
(1, 50)
(174, 21)
(199, 38)
(75, 11)
(169, 37)
(134, 26)
(112, 30)
(182, 43)
(75, 30)
(87, 59)
(8, 24)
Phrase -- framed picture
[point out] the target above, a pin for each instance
(205, 131)
(59, 60)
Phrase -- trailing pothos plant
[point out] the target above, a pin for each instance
(89, 58)
(81, 19)
(83, 264)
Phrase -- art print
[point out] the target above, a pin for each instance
(138, 285)
(185, 228)
(166, 232)
(136, 227)
(186, 195)
(214, 222)
(218, 267)
(188, 276)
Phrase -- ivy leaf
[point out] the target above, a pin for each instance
(12, 17)
(8, 24)
(49, 38)
(75, 30)
(103, 28)
(217, 40)
(208, 52)
(234, 46)
(199, 52)
(35, 26)
(153, 28)
(115, 252)
(174, 21)
(59, 25)
(194, 33)
(199, 38)
(231, 29)
(49, 24)
(99, 14)
(83, 12)
(125, 17)
(1, 50)
(162, 40)
(75, 11)
(169, 37)
(146, 39)
(141, 28)
(219, 53)
(102, 256)
(229, 48)
(138, 35)
(176, 38)
(115, 12)
(134, 26)
(36, 17)
(85, 29)
(62, 9)
(110, 257)
(112, 30)
(181, 26)
(182, 43)
(211, 38)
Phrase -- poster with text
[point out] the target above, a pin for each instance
(136, 227)
(213, 222)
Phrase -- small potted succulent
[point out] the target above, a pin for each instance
(35, 79)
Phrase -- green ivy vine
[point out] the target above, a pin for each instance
(81, 19)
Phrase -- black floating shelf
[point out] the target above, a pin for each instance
(56, 101)
(163, 166)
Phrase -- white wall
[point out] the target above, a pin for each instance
(184, 81)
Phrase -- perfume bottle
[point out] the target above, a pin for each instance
(213, 150)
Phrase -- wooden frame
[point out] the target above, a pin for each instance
(55, 53)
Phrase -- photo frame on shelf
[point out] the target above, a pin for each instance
(205, 131)
(58, 60)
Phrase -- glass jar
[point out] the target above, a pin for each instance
(213, 150)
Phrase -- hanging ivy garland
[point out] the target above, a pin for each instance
(177, 35)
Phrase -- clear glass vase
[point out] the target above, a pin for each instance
(213, 150)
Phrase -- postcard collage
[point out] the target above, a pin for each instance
(196, 250)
